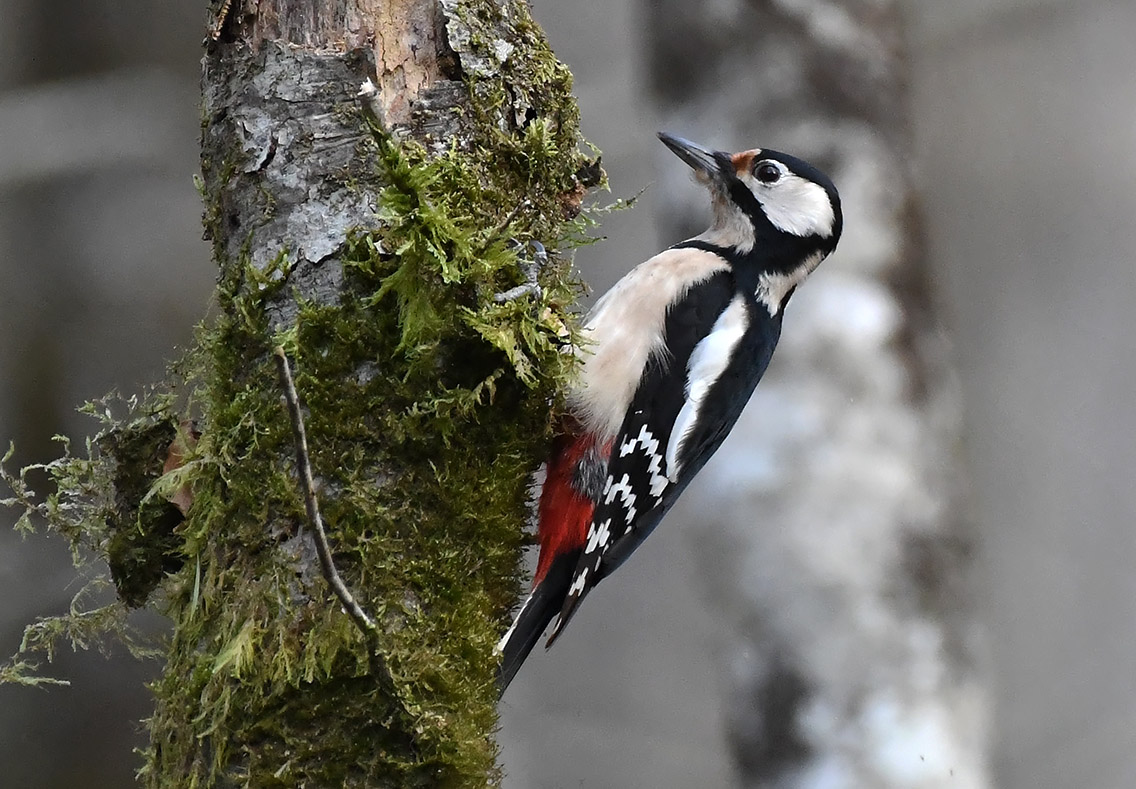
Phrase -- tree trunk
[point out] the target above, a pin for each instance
(836, 541)
(368, 236)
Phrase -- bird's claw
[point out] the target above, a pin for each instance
(531, 270)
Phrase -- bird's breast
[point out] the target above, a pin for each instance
(626, 328)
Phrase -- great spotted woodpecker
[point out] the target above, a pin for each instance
(674, 351)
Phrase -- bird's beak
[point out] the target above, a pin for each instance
(704, 162)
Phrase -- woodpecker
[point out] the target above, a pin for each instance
(672, 354)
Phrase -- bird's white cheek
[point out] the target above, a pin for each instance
(795, 205)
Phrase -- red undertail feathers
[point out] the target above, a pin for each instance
(564, 512)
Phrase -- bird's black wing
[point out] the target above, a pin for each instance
(637, 492)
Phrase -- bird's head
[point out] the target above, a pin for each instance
(766, 200)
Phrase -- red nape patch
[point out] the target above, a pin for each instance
(564, 512)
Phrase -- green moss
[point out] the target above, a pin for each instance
(102, 503)
(427, 408)
(427, 404)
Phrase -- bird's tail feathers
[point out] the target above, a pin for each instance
(542, 604)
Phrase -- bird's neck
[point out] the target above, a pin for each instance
(732, 232)
(770, 270)
(775, 287)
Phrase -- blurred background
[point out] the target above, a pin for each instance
(1024, 120)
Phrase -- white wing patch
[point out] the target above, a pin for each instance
(707, 363)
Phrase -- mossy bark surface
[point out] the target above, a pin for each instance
(368, 238)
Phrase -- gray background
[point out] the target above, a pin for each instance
(1025, 118)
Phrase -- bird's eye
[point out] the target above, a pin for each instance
(767, 172)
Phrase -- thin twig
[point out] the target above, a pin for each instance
(364, 622)
(496, 232)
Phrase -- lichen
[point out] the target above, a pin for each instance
(428, 405)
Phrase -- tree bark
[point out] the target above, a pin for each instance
(836, 543)
(371, 250)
